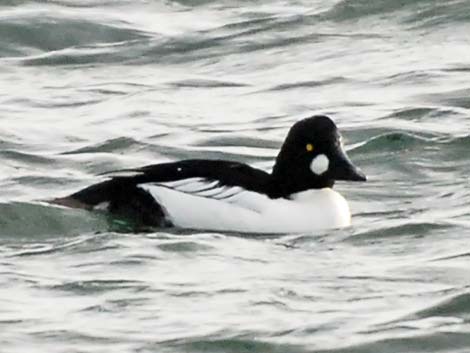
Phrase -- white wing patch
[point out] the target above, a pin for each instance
(191, 185)
(200, 188)
(203, 188)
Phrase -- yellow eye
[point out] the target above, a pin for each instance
(309, 147)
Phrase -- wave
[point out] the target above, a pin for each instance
(54, 35)
(41, 37)
(20, 220)
(25, 157)
(345, 10)
(233, 345)
(201, 83)
(309, 84)
(235, 140)
(404, 228)
(457, 305)
(458, 98)
(439, 14)
(411, 342)
(97, 286)
(35, 33)
(411, 13)
(109, 146)
(392, 141)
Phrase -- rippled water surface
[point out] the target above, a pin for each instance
(92, 86)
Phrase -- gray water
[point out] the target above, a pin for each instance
(91, 86)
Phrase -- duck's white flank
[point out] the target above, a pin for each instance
(237, 210)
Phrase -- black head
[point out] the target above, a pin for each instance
(312, 157)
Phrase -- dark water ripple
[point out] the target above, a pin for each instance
(90, 86)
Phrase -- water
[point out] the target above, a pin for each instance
(92, 86)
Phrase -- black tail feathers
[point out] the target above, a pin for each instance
(121, 197)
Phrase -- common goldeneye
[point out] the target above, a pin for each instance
(219, 195)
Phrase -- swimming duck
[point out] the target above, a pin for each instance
(296, 197)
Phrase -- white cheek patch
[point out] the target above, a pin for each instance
(320, 164)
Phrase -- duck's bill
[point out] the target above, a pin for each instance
(343, 169)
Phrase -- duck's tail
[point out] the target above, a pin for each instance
(121, 197)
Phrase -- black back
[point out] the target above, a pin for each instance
(225, 172)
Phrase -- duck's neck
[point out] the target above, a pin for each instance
(285, 184)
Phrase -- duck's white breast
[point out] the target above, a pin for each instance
(250, 212)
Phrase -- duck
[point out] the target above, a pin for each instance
(228, 196)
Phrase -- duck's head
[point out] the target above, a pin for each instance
(313, 157)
